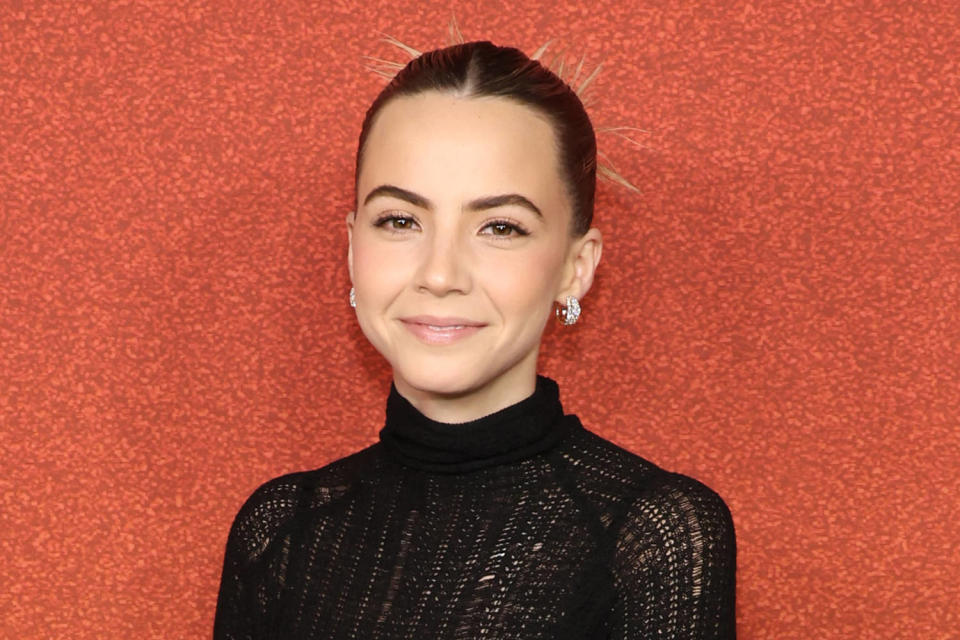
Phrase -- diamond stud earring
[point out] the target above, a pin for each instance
(353, 297)
(571, 312)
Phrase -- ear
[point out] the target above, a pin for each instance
(350, 220)
(581, 264)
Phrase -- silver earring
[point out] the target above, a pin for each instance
(353, 297)
(571, 312)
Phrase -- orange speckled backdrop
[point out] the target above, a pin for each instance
(777, 312)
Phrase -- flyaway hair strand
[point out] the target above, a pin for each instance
(557, 65)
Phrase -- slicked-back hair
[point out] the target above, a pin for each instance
(483, 69)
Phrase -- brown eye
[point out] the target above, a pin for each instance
(395, 223)
(505, 229)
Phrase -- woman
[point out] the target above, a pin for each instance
(483, 511)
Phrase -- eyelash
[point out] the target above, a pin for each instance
(519, 230)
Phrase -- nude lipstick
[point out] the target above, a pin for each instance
(441, 330)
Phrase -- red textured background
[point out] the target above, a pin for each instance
(776, 313)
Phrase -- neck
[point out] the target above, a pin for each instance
(464, 405)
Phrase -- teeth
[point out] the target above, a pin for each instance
(437, 328)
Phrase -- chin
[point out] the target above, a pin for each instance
(435, 376)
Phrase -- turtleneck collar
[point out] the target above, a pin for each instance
(521, 430)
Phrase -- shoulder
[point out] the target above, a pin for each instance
(669, 497)
(674, 557)
(649, 494)
(272, 505)
(678, 526)
(601, 461)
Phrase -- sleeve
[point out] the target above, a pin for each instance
(675, 564)
(235, 613)
(251, 576)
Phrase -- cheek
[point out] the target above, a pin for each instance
(378, 268)
(521, 281)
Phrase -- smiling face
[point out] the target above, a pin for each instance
(459, 247)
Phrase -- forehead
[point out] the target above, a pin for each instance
(453, 146)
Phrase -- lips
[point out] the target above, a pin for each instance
(438, 322)
(441, 330)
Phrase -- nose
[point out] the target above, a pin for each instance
(443, 266)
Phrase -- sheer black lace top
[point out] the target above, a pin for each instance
(521, 525)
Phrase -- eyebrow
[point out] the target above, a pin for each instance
(479, 204)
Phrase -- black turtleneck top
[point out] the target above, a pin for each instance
(519, 525)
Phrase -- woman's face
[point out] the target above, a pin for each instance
(460, 245)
